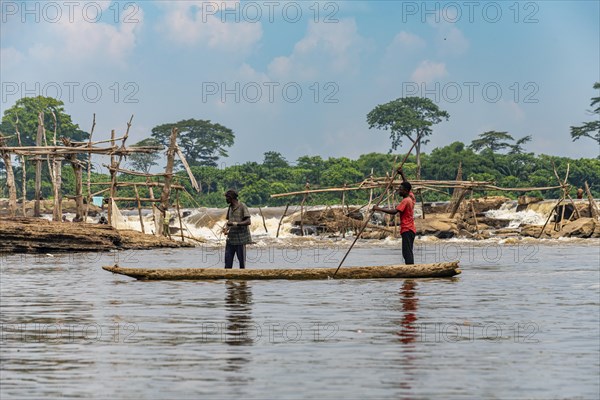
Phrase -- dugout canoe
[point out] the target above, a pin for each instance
(438, 270)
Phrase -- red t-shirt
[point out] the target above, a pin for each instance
(407, 214)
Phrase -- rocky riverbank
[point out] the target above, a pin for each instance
(36, 235)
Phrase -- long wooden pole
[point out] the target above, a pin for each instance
(370, 212)
(179, 215)
(89, 171)
(263, 219)
(592, 204)
(113, 179)
(10, 180)
(139, 207)
(23, 170)
(166, 190)
(38, 165)
(281, 219)
(474, 214)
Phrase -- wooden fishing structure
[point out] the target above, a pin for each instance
(76, 153)
(462, 200)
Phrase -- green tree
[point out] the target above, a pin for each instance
(274, 160)
(275, 167)
(492, 140)
(517, 148)
(589, 129)
(380, 164)
(201, 141)
(340, 171)
(144, 161)
(410, 117)
(313, 165)
(26, 110)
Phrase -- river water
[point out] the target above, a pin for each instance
(521, 321)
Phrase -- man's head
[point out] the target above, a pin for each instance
(404, 189)
(231, 196)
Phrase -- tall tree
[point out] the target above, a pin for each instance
(589, 129)
(201, 141)
(410, 117)
(492, 140)
(518, 148)
(144, 161)
(27, 110)
(274, 159)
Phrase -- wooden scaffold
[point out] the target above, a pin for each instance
(72, 151)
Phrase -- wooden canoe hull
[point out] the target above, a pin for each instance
(438, 270)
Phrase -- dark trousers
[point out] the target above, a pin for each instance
(232, 250)
(408, 239)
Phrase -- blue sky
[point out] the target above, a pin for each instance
(523, 67)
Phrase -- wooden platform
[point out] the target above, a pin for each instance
(438, 270)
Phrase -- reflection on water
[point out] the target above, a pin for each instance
(408, 328)
(238, 303)
(238, 306)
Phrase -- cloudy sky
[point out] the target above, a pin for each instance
(299, 77)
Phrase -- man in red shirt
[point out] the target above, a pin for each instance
(406, 209)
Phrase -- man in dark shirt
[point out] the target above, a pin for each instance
(237, 230)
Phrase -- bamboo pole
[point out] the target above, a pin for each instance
(179, 215)
(188, 170)
(548, 219)
(57, 211)
(131, 184)
(10, 179)
(113, 179)
(62, 150)
(474, 214)
(281, 219)
(344, 227)
(139, 207)
(135, 199)
(89, 171)
(592, 204)
(370, 213)
(263, 219)
(23, 170)
(115, 164)
(302, 216)
(457, 203)
(38, 165)
(166, 191)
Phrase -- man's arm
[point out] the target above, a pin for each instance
(391, 211)
(401, 172)
(245, 218)
(245, 222)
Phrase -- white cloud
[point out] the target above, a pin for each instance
(195, 23)
(406, 40)
(78, 38)
(428, 71)
(10, 57)
(511, 110)
(98, 41)
(333, 48)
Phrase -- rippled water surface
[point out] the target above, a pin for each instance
(521, 321)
